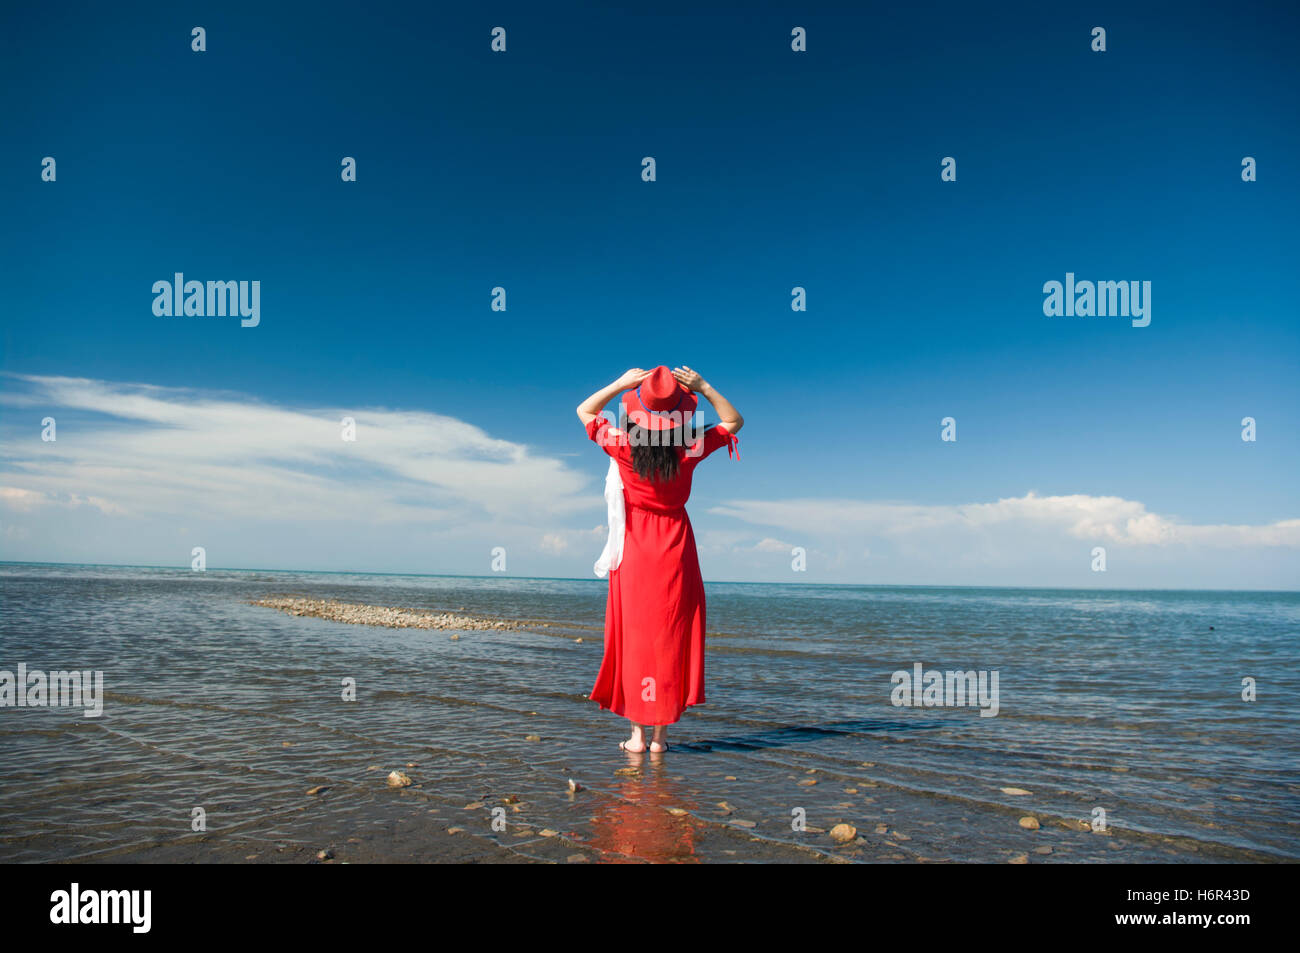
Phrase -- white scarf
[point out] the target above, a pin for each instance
(613, 552)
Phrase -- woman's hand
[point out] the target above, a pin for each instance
(688, 378)
(631, 378)
(592, 406)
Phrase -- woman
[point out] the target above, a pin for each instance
(654, 619)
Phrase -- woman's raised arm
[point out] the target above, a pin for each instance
(590, 408)
(728, 416)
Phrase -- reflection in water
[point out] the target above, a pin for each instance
(635, 825)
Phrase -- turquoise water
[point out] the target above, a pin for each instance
(1127, 702)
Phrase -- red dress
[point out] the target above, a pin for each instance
(654, 619)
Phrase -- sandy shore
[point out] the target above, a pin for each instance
(390, 616)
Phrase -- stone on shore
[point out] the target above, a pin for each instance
(390, 616)
(843, 833)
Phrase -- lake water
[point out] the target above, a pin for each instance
(1126, 703)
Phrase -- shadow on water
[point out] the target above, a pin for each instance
(795, 734)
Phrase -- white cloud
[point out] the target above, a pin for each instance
(1100, 518)
(23, 499)
(169, 450)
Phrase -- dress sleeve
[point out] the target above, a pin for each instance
(599, 431)
(716, 438)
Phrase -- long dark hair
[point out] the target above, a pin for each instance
(657, 454)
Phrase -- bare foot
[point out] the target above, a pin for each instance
(659, 743)
(636, 743)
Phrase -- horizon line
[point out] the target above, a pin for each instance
(596, 579)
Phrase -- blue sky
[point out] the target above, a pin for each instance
(774, 169)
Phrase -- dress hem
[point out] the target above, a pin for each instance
(623, 714)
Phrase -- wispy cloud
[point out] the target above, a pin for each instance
(147, 450)
(1098, 518)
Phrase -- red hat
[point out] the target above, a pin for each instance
(660, 403)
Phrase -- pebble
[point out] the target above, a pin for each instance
(1044, 850)
(744, 824)
(396, 779)
(547, 832)
(677, 811)
(477, 805)
(324, 855)
(579, 641)
(318, 789)
(843, 833)
(1019, 859)
(882, 828)
(577, 858)
(454, 830)
(532, 737)
(390, 616)
(808, 782)
(1015, 792)
(1029, 823)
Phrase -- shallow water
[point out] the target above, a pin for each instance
(1123, 701)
